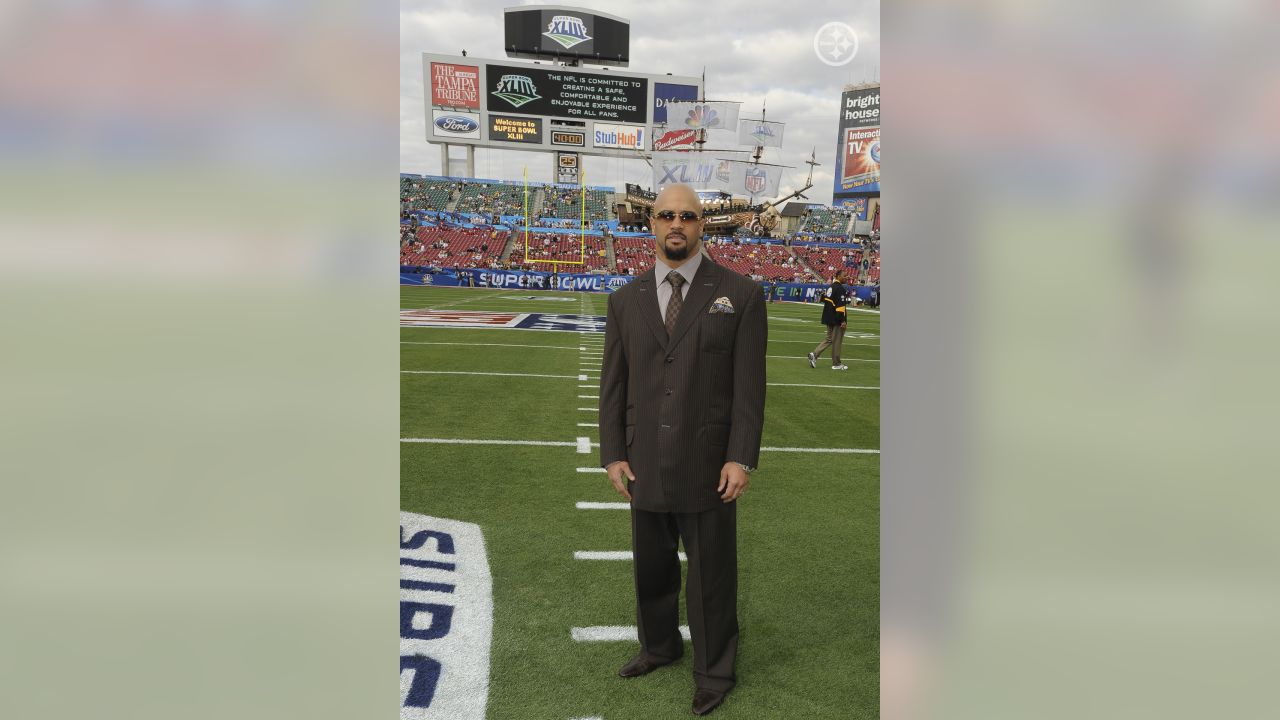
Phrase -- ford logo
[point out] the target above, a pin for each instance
(456, 124)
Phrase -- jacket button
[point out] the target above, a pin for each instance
(670, 359)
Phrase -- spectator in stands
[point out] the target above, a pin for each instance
(834, 316)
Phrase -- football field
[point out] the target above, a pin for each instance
(557, 537)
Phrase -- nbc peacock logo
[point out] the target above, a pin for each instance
(567, 30)
(517, 90)
(702, 116)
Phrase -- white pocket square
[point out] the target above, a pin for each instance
(721, 305)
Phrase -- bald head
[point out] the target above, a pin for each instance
(670, 193)
(677, 239)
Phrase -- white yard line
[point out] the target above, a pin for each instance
(613, 633)
(806, 357)
(549, 347)
(590, 409)
(611, 555)
(589, 397)
(821, 334)
(588, 425)
(484, 327)
(582, 377)
(853, 451)
(603, 505)
(460, 372)
(486, 296)
(841, 387)
(819, 337)
(460, 441)
(580, 444)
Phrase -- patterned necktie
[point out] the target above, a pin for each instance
(677, 299)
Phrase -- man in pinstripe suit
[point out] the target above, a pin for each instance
(681, 412)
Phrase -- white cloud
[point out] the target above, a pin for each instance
(752, 51)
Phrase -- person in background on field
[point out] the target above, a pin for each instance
(834, 316)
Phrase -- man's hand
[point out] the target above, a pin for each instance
(733, 482)
(618, 470)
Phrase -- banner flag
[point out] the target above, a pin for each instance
(754, 180)
(760, 132)
(676, 140)
(719, 115)
(697, 170)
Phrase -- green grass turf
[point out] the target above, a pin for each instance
(808, 529)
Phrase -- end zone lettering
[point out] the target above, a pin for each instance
(470, 319)
(446, 619)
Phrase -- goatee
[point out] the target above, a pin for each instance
(679, 253)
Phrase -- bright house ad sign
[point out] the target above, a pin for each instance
(455, 85)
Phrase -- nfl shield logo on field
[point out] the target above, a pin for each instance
(755, 180)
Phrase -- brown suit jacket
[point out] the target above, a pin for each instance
(677, 409)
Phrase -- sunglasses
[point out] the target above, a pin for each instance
(669, 215)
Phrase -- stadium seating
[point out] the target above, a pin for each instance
(758, 261)
(483, 247)
(425, 193)
(563, 203)
(455, 247)
(633, 255)
(827, 261)
(491, 198)
(548, 248)
(827, 221)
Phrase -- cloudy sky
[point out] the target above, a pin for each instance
(751, 50)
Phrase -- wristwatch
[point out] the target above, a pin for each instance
(746, 468)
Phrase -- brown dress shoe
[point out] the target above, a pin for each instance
(638, 666)
(704, 700)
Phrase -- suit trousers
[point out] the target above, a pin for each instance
(835, 336)
(711, 593)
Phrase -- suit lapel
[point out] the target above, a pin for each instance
(649, 308)
(705, 282)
